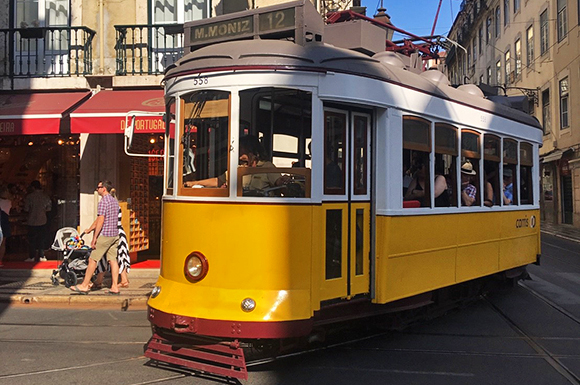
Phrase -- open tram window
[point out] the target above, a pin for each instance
(446, 152)
(526, 163)
(510, 163)
(281, 119)
(491, 178)
(416, 150)
(470, 178)
(205, 143)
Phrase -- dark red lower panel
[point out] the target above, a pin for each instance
(217, 358)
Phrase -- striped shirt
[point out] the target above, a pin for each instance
(109, 207)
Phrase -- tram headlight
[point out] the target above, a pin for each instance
(248, 304)
(196, 266)
(156, 291)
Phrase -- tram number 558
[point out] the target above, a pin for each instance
(200, 81)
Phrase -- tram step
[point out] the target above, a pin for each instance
(219, 359)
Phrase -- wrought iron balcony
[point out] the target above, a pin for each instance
(46, 51)
(147, 49)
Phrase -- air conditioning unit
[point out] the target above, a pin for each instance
(512, 77)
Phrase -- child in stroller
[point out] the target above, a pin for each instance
(75, 256)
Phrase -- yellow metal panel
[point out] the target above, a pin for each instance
(225, 304)
(477, 260)
(252, 249)
(420, 253)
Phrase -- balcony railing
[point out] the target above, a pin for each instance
(147, 49)
(46, 51)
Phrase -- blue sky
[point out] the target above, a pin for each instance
(417, 16)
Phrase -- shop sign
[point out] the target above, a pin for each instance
(146, 124)
(7, 127)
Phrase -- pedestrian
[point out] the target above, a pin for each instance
(105, 239)
(36, 204)
(5, 206)
(123, 259)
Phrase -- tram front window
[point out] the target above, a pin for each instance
(205, 141)
(274, 144)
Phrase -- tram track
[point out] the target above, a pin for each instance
(543, 352)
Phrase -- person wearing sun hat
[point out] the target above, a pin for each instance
(468, 190)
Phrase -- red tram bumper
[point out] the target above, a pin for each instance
(229, 329)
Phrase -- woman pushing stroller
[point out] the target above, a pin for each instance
(105, 239)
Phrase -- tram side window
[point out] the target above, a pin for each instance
(510, 163)
(416, 150)
(205, 143)
(470, 180)
(281, 119)
(526, 163)
(446, 152)
(491, 178)
(334, 152)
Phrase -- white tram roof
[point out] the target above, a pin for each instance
(320, 57)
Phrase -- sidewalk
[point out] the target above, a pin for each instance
(568, 232)
(30, 283)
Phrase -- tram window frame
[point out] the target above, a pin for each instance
(510, 163)
(423, 150)
(264, 113)
(491, 163)
(170, 115)
(442, 151)
(474, 157)
(218, 191)
(526, 165)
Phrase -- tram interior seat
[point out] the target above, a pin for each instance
(411, 204)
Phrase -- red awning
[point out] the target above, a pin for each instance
(38, 113)
(105, 112)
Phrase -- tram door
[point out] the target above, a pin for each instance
(346, 204)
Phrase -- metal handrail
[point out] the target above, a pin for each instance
(56, 51)
(147, 49)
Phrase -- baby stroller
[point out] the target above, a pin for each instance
(75, 256)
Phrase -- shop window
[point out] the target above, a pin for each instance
(416, 150)
(446, 153)
(470, 178)
(492, 157)
(205, 143)
(526, 163)
(274, 143)
(564, 97)
(510, 162)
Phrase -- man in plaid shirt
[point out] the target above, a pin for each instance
(468, 191)
(105, 239)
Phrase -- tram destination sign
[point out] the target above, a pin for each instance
(286, 20)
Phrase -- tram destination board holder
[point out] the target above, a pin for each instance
(297, 21)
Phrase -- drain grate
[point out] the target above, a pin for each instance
(147, 286)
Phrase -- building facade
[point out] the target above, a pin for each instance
(529, 51)
(70, 72)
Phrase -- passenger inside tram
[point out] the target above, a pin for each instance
(468, 190)
(252, 154)
(508, 187)
(418, 188)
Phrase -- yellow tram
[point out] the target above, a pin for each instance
(312, 223)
